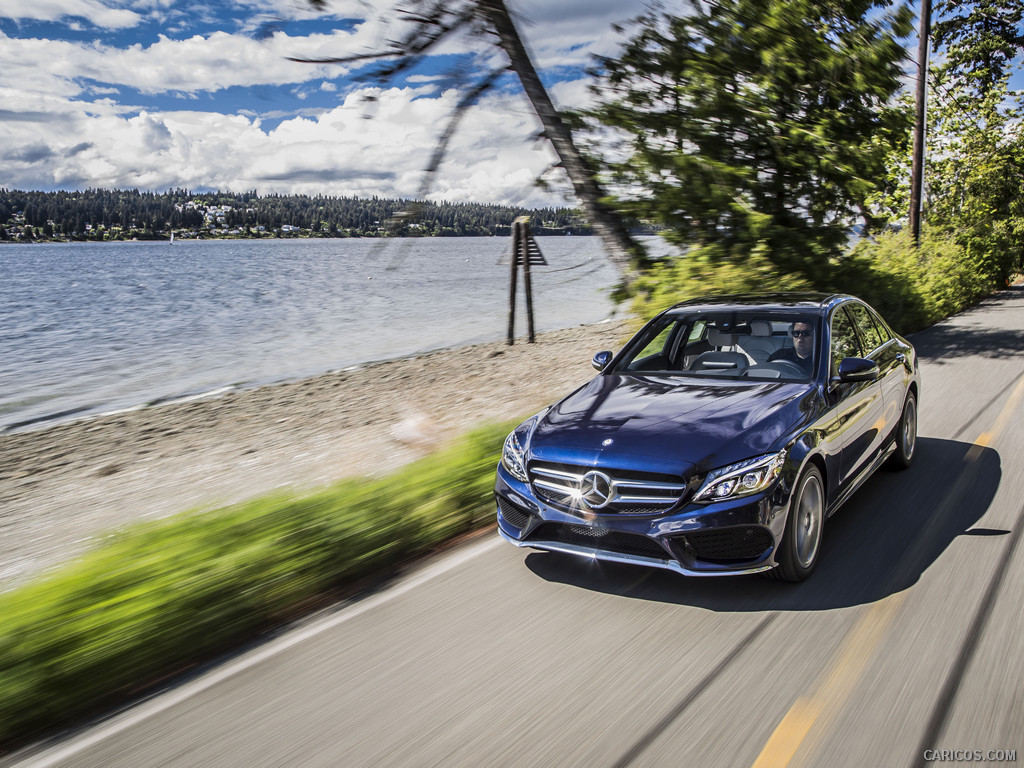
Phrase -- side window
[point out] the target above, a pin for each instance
(866, 325)
(883, 330)
(844, 339)
(656, 345)
(697, 333)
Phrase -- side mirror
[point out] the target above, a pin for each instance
(854, 369)
(601, 360)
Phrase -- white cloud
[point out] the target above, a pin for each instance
(219, 60)
(572, 94)
(426, 78)
(54, 10)
(339, 152)
(55, 133)
(572, 32)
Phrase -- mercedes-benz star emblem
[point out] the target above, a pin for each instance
(595, 489)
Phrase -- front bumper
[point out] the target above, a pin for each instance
(719, 539)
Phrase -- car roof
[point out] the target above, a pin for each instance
(770, 302)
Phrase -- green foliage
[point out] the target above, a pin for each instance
(975, 173)
(980, 41)
(889, 202)
(912, 287)
(164, 595)
(704, 272)
(756, 124)
(718, 138)
(975, 150)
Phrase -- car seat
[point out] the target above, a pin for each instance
(720, 359)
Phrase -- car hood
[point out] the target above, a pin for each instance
(670, 425)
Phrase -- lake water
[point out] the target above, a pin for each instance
(94, 327)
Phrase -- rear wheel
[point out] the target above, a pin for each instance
(906, 435)
(801, 540)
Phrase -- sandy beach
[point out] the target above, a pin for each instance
(65, 487)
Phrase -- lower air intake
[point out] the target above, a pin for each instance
(513, 514)
(597, 538)
(729, 545)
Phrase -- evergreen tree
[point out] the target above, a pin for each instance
(980, 40)
(750, 126)
(149, 214)
(975, 143)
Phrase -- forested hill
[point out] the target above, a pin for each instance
(99, 214)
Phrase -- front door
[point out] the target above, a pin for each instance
(859, 405)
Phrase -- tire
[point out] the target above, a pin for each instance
(801, 540)
(906, 435)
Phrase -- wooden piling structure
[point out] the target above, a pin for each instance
(526, 252)
(524, 245)
(512, 286)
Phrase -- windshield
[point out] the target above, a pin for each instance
(732, 345)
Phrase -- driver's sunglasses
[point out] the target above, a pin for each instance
(801, 334)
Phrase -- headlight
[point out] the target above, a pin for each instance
(514, 457)
(743, 479)
(513, 454)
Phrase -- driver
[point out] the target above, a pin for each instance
(802, 351)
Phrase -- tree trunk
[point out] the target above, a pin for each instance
(622, 250)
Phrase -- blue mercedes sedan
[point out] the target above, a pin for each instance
(719, 440)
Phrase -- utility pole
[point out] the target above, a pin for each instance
(917, 165)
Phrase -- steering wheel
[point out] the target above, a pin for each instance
(794, 369)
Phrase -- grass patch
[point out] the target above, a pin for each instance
(161, 596)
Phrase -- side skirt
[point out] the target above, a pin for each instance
(865, 473)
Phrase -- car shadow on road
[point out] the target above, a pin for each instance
(879, 543)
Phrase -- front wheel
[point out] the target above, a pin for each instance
(906, 435)
(801, 540)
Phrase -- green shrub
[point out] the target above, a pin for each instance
(913, 287)
(708, 272)
(164, 595)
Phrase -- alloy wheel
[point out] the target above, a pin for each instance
(908, 438)
(807, 525)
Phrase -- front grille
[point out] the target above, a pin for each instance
(513, 514)
(729, 545)
(641, 509)
(629, 492)
(555, 497)
(598, 538)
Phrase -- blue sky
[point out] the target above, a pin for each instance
(157, 94)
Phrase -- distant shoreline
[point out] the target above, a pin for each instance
(307, 236)
(105, 214)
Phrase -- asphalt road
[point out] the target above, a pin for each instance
(907, 639)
